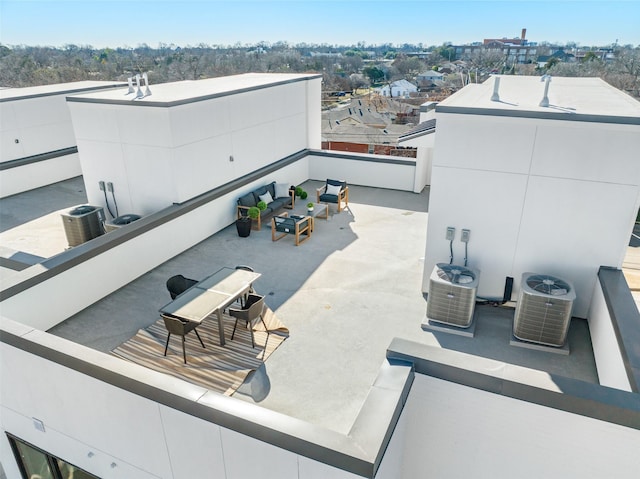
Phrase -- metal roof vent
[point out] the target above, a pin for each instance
(496, 87)
(545, 98)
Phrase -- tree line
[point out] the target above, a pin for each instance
(344, 68)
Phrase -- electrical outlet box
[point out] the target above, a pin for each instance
(451, 233)
(38, 424)
(465, 236)
(101, 185)
(110, 186)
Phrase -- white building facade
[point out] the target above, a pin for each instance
(430, 412)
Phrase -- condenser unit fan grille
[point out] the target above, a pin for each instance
(547, 285)
(455, 274)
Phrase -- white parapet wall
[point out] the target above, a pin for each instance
(141, 253)
(82, 422)
(37, 142)
(378, 171)
(606, 350)
(453, 430)
(34, 175)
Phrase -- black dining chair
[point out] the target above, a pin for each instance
(251, 311)
(243, 299)
(178, 284)
(180, 327)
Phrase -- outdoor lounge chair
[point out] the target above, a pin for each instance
(251, 311)
(178, 284)
(334, 191)
(294, 225)
(180, 327)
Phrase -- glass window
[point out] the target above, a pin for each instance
(37, 464)
(67, 471)
(34, 462)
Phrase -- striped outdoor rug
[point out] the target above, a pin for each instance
(218, 368)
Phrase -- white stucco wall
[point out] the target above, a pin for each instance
(156, 156)
(547, 196)
(31, 127)
(35, 175)
(424, 159)
(445, 430)
(166, 443)
(456, 431)
(606, 352)
(36, 121)
(40, 125)
(390, 173)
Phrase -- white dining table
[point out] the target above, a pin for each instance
(212, 294)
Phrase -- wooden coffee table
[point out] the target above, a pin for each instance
(320, 210)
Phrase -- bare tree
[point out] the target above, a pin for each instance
(624, 73)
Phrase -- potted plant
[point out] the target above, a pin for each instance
(261, 205)
(253, 212)
(310, 207)
(303, 195)
(243, 225)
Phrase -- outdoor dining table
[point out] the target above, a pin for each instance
(212, 294)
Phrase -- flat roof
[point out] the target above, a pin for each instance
(188, 91)
(577, 99)
(341, 309)
(13, 94)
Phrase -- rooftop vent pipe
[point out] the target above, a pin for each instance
(545, 98)
(139, 93)
(147, 92)
(496, 86)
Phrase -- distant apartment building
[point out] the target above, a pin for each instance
(515, 50)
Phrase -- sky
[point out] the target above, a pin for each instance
(121, 23)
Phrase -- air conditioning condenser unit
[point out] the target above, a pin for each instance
(543, 312)
(452, 295)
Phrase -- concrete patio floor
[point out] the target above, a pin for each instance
(344, 295)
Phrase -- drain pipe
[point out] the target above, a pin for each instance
(506, 297)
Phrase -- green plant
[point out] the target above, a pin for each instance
(299, 191)
(262, 205)
(310, 205)
(303, 195)
(254, 212)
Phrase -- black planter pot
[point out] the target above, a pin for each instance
(243, 225)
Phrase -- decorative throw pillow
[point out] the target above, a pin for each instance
(333, 190)
(266, 198)
(282, 190)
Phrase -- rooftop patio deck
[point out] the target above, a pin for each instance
(344, 295)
